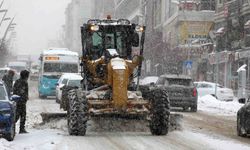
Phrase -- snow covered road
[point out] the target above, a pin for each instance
(202, 130)
(54, 135)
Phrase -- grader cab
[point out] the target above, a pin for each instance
(111, 58)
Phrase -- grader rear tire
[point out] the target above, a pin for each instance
(160, 112)
(77, 113)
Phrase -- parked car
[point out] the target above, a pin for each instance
(181, 90)
(34, 70)
(208, 88)
(243, 118)
(7, 114)
(67, 79)
(3, 71)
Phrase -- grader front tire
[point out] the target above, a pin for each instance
(77, 113)
(160, 112)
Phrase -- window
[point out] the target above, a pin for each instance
(110, 38)
(160, 81)
(60, 67)
(74, 83)
(205, 86)
(64, 81)
(185, 82)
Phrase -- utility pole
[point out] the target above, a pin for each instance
(3, 18)
(6, 31)
(1, 4)
(218, 33)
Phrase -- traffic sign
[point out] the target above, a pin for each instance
(188, 64)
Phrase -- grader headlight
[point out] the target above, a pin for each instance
(94, 27)
(139, 28)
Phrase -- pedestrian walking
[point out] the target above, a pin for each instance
(8, 80)
(21, 89)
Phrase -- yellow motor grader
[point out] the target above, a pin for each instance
(112, 56)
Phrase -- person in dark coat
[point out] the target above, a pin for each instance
(8, 80)
(21, 89)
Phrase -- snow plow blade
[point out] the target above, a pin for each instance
(46, 117)
(175, 118)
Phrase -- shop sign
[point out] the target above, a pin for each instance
(244, 54)
(222, 57)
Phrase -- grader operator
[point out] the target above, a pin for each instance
(108, 68)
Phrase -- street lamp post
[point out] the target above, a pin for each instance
(218, 33)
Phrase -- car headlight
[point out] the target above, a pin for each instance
(5, 113)
(46, 85)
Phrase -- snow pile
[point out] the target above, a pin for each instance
(213, 142)
(4, 144)
(35, 140)
(210, 104)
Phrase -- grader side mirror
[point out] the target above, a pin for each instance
(135, 40)
(242, 100)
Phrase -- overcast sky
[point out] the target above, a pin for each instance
(38, 21)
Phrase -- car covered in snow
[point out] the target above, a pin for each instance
(243, 118)
(208, 88)
(66, 81)
(181, 90)
(148, 80)
(7, 113)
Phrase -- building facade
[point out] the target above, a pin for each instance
(186, 29)
(232, 46)
(77, 13)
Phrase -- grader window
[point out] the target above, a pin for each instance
(97, 41)
(101, 41)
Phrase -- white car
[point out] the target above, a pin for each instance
(208, 88)
(147, 80)
(3, 71)
(67, 79)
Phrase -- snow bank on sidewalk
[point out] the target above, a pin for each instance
(210, 104)
(35, 140)
(213, 142)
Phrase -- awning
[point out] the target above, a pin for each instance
(221, 30)
(247, 24)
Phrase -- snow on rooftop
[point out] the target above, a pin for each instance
(72, 76)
